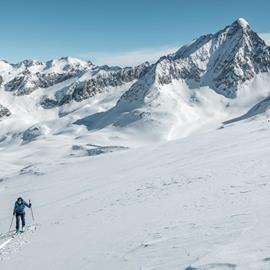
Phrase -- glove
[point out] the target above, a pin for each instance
(30, 205)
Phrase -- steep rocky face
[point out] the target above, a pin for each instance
(95, 82)
(222, 61)
(105, 77)
(32, 75)
(26, 83)
(4, 112)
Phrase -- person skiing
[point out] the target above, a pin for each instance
(19, 212)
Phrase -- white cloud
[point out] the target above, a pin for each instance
(128, 58)
(265, 37)
(136, 57)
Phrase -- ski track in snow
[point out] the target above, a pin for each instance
(15, 243)
(5, 243)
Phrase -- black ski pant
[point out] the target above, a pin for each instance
(18, 217)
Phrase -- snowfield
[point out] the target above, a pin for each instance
(197, 203)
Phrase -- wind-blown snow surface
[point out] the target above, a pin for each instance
(198, 203)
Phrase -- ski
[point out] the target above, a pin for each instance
(13, 232)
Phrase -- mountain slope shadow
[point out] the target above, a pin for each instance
(117, 117)
(259, 108)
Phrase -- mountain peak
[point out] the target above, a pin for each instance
(241, 22)
(222, 61)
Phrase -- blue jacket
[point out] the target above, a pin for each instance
(19, 207)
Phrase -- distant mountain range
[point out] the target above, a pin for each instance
(216, 77)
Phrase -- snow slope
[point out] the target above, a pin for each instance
(261, 108)
(196, 203)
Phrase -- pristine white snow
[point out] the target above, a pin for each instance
(202, 201)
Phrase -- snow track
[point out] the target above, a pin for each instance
(14, 243)
(5, 243)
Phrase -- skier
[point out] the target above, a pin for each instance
(20, 213)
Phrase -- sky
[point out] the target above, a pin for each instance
(116, 32)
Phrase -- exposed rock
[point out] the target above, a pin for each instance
(4, 112)
(37, 74)
(33, 132)
(100, 78)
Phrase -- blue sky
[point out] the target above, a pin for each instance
(116, 32)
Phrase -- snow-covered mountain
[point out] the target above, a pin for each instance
(222, 61)
(29, 75)
(37, 95)
(216, 77)
(25, 77)
(95, 81)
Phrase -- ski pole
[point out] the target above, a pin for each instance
(32, 212)
(11, 223)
